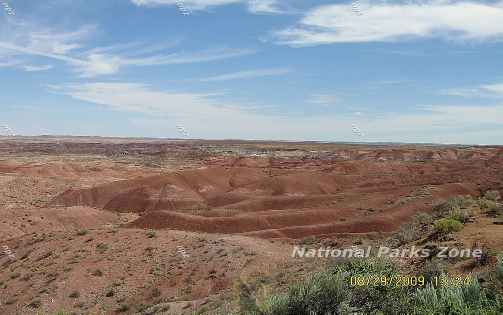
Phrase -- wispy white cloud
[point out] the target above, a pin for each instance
(254, 6)
(381, 22)
(190, 4)
(248, 74)
(135, 97)
(70, 48)
(323, 99)
(494, 88)
(208, 117)
(488, 90)
(265, 6)
(9, 63)
(101, 64)
(30, 68)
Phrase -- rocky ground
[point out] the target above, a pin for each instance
(106, 226)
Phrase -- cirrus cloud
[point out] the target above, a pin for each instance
(70, 48)
(247, 74)
(254, 6)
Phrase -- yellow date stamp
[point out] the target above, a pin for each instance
(408, 281)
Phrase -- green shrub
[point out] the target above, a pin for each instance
(459, 214)
(101, 248)
(499, 268)
(36, 303)
(413, 230)
(423, 218)
(122, 308)
(447, 225)
(322, 293)
(368, 298)
(463, 300)
(432, 268)
(330, 292)
(487, 204)
(458, 206)
(407, 233)
(461, 201)
(247, 302)
(151, 233)
(82, 232)
(493, 195)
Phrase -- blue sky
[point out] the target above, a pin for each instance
(404, 71)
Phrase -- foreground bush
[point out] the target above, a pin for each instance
(464, 300)
(330, 292)
(322, 293)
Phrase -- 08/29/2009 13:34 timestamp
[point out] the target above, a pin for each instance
(409, 281)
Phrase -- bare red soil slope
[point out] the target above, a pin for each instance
(294, 198)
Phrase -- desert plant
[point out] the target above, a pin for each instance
(493, 195)
(369, 298)
(122, 308)
(413, 230)
(432, 268)
(453, 206)
(36, 303)
(459, 214)
(447, 225)
(423, 218)
(330, 292)
(322, 293)
(487, 204)
(499, 267)
(151, 233)
(82, 232)
(101, 248)
(247, 303)
(464, 300)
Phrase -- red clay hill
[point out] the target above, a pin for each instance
(346, 191)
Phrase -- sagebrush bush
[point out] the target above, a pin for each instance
(151, 233)
(368, 298)
(413, 230)
(82, 232)
(329, 292)
(499, 268)
(423, 218)
(467, 299)
(460, 214)
(432, 268)
(247, 303)
(322, 293)
(453, 206)
(447, 225)
(487, 204)
(493, 195)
